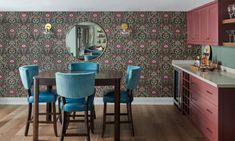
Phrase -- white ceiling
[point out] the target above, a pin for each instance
(100, 5)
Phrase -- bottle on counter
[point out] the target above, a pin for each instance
(207, 61)
(215, 62)
(203, 60)
(198, 62)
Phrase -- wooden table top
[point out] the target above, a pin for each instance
(99, 75)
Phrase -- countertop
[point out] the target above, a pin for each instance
(217, 78)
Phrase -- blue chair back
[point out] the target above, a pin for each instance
(27, 73)
(133, 76)
(75, 85)
(84, 66)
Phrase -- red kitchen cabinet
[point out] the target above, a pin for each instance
(204, 108)
(212, 110)
(213, 29)
(192, 27)
(202, 25)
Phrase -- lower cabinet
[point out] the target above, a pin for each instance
(211, 109)
(205, 125)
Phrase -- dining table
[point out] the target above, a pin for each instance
(103, 78)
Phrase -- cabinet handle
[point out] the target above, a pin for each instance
(209, 92)
(208, 129)
(194, 99)
(209, 111)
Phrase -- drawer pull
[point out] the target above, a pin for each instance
(209, 111)
(208, 129)
(209, 92)
(194, 99)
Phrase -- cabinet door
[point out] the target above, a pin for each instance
(189, 28)
(196, 26)
(204, 18)
(193, 27)
(213, 24)
(206, 126)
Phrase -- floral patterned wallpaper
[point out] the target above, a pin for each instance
(156, 39)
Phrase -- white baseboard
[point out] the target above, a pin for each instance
(98, 101)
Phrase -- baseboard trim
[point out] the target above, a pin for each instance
(98, 101)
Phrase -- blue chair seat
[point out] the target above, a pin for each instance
(124, 97)
(78, 104)
(44, 96)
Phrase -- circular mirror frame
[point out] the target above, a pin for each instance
(99, 42)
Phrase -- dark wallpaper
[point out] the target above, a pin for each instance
(155, 40)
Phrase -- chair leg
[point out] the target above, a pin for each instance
(128, 114)
(94, 113)
(67, 119)
(92, 120)
(74, 115)
(87, 125)
(104, 119)
(60, 115)
(48, 110)
(63, 128)
(28, 119)
(131, 119)
(54, 118)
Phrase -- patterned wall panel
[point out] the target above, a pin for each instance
(156, 38)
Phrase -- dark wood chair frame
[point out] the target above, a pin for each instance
(67, 117)
(128, 114)
(48, 114)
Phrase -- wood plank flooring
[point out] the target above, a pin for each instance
(151, 123)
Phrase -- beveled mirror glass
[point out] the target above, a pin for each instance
(86, 41)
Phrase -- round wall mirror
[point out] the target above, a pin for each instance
(86, 41)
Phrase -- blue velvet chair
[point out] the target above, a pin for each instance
(27, 73)
(75, 86)
(126, 96)
(90, 57)
(84, 66)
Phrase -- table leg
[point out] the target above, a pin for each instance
(117, 111)
(48, 107)
(36, 109)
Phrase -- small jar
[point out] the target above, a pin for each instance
(197, 63)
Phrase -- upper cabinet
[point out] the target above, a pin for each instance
(210, 24)
(193, 26)
(202, 25)
(213, 30)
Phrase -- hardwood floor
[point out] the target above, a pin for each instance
(151, 123)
